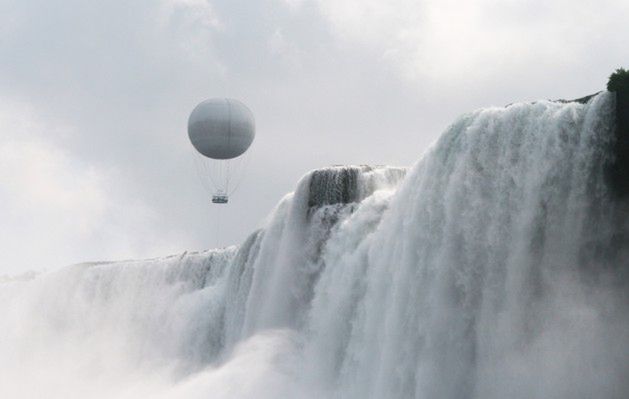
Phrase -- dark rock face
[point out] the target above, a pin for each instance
(337, 185)
(618, 168)
(349, 184)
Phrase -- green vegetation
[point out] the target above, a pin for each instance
(619, 80)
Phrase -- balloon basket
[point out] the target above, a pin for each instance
(220, 198)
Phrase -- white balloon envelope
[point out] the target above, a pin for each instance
(221, 130)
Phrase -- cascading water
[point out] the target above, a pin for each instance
(495, 268)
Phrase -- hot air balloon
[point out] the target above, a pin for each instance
(221, 130)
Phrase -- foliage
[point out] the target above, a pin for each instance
(619, 80)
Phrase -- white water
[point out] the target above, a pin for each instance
(497, 268)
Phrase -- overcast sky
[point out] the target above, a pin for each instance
(95, 161)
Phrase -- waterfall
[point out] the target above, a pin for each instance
(496, 267)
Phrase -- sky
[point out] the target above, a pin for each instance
(95, 162)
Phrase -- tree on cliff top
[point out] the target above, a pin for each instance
(618, 80)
